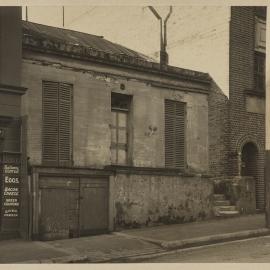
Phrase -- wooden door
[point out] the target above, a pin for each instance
(59, 208)
(93, 206)
(72, 207)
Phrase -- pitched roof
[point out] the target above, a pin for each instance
(89, 47)
(78, 38)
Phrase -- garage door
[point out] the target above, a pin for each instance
(72, 207)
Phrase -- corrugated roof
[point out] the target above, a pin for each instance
(78, 38)
(95, 48)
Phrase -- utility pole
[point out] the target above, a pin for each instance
(165, 29)
(63, 13)
(163, 39)
(26, 13)
(267, 122)
(160, 20)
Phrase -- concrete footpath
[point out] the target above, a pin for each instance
(130, 245)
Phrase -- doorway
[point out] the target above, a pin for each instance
(73, 207)
(249, 167)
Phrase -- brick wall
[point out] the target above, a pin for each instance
(244, 126)
(231, 123)
(218, 131)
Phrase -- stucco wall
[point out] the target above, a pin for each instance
(93, 85)
(145, 200)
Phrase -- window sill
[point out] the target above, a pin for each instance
(153, 171)
(251, 92)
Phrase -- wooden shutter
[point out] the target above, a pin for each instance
(65, 123)
(57, 123)
(174, 134)
(169, 133)
(50, 123)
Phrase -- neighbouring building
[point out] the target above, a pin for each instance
(12, 169)
(237, 123)
(247, 95)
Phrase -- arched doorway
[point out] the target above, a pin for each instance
(249, 159)
(249, 167)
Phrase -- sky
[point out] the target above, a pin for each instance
(198, 36)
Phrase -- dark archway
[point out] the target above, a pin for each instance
(249, 167)
(249, 159)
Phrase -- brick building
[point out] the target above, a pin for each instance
(237, 123)
(247, 95)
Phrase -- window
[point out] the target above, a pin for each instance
(57, 123)
(259, 61)
(175, 134)
(259, 72)
(260, 35)
(120, 107)
(259, 55)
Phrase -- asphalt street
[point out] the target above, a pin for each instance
(255, 250)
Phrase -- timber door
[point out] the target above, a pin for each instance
(249, 167)
(59, 208)
(93, 206)
(72, 207)
(249, 160)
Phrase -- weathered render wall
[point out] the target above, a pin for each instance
(144, 200)
(92, 86)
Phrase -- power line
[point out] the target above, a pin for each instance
(26, 13)
(63, 10)
(201, 32)
(80, 16)
(194, 38)
(208, 35)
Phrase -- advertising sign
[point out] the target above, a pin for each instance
(11, 191)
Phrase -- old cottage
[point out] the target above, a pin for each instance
(113, 139)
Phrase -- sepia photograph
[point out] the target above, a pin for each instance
(134, 133)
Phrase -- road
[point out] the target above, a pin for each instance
(256, 250)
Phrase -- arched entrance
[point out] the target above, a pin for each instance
(249, 167)
(249, 159)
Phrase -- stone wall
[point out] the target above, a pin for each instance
(239, 190)
(146, 200)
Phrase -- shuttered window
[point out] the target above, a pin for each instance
(175, 134)
(57, 123)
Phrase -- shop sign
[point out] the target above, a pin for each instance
(11, 191)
